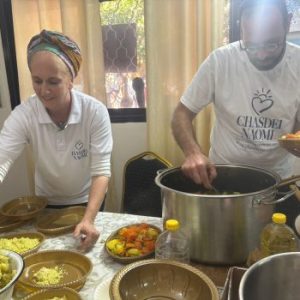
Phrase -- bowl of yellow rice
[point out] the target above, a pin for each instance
(22, 243)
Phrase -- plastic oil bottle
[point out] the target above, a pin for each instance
(173, 243)
(277, 237)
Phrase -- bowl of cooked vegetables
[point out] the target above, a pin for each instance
(132, 242)
(11, 267)
(291, 142)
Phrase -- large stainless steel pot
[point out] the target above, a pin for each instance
(223, 228)
(274, 277)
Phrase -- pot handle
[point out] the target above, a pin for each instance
(160, 171)
(286, 196)
(288, 180)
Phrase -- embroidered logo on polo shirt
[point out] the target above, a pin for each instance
(79, 151)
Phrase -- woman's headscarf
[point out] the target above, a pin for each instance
(61, 45)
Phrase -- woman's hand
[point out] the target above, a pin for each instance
(88, 235)
(199, 168)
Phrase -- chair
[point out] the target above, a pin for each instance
(141, 195)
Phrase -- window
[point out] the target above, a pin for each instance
(294, 34)
(122, 23)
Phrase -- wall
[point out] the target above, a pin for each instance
(129, 139)
(16, 183)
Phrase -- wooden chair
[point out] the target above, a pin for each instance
(141, 195)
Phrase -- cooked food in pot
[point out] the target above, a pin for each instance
(220, 193)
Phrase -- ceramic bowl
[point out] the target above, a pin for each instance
(68, 293)
(161, 279)
(291, 145)
(17, 264)
(24, 208)
(122, 258)
(29, 235)
(76, 268)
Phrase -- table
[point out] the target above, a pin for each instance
(103, 266)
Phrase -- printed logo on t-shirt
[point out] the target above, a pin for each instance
(262, 101)
(79, 151)
(258, 130)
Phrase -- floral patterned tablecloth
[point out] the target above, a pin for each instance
(103, 266)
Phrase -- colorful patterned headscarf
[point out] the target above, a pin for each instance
(65, 48)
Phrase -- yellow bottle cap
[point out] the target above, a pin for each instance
(172, 224)
(279, 218)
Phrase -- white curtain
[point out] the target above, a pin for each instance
(179, 36)
(80, 20)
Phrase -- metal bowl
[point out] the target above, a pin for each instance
(24, 208)
(126, 259)
(274, 277)
(17, 264)
(161, 279)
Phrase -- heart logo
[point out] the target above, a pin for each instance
(262, 102)
(79, 145)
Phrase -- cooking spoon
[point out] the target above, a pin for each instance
(215, 189)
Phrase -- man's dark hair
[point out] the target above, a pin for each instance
(248, 4)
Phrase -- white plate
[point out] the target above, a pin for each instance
(102, 290)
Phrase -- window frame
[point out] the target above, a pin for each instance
(234, 28)
(8, 42)
(127, 115)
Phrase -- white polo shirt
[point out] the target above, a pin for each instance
(253, 108)
(65, 160)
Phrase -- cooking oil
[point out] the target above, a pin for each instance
(277, 237)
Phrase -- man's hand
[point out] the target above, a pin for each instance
(88, 235)
(198, 167)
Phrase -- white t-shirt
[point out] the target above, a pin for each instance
(65, 160)
(253, 108)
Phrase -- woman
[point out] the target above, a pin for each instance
(69, 133)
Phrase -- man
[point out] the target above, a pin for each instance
(254, 86)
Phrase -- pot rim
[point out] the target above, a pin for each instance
(270, 189)
(261, 263)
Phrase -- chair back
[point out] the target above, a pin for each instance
(141, 195)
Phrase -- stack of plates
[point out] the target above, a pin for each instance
(61, 221)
